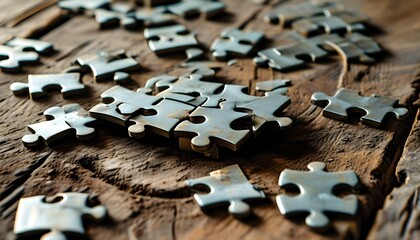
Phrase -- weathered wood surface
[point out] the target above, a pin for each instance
(141, 181)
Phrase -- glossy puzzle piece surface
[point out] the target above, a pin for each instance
(271, 85)
(109, 18)
(228, 186)
(187, 8)
(38, 46)
(35, 216)
(316, 194)
(346, 101)
(154, 17)
(78, 6)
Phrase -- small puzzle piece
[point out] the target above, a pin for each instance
(63, 121)
(205, 68)
(78, 6)
(346, 101)
(105, 65)
(167, 115)
(284, 15)
(207, 126)
(11, 58)
(316, 194)
(153, 17)
(35, 216)
(227, 186)
(170, 39)
(38, 46)
(69, 83)
(188, 8)
(109, 18)
(271, 85)
(235, 42)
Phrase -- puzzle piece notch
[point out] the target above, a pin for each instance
(344, 101)
(189, 8)
(78, 6)
(62, 121)
(34, 215)
(316, 196)
(233, 41)
(37, 85)
(227, 185)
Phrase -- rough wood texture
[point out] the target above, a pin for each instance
(141, 181)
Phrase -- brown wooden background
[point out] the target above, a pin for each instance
(141, 181)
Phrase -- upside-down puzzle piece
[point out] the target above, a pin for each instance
(62, 121)
(37, 85)
(105, 65)
(78, 6)
(228, 186)
(316, 194)
(235, 42)
(35, 216)
(346, 101)
(187, 8)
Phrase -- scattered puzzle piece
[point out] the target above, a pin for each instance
(316, 194)
(153, 17)
(228, 186)
(346, 101)
(188, 8)
(78, 6)
(37, 85)
(38, 46)
(15, 57)
(35, 216)
(63, 121)
(235, 42)
(271, 85)
(109, 18)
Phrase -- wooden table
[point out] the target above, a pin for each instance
(141, 181)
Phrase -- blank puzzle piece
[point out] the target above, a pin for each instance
(344, 101)
(153, 17)
(108, 65)
(35, 216)
(271, 85)
(78, 6)
(187, 8)
(170, 39)
(109, 18)
(37, 85)
(235, 42)
(316, 194)
(227, 186)
(63, 121)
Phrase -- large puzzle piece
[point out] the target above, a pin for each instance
(69, 83)
(316, 194)
(227, 186)
(235, 42)
(346, 101)
(207, 126)
(187, 8)
(170, 39)
(107, 65)
(35, 216)
(82, 5)
(284, 15)
(63, 121)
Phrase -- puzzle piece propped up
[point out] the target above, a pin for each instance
(316, 194)
(63, 121)
(35, 216)
(228, 186)
(346, 101)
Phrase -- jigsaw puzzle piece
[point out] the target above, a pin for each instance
(109, 18)
(104, 65)
(188, 8)
(214, 125)
(167, 114)
(205, 68)
(271, 85)
(170, 39)
(35, 216)
(344, 101)
(78, 6)
(154, 17)
(38, 46)
(11, 58)
(227, 186)
(62, 121)
(69, 83)
(235, 42)
(316, 194)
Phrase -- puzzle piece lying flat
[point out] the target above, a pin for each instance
(104, 65)
(227, 186)
(284, 15)
(205, 68)
(109, 18)
(35, 216)
(187, 8)
(170, 39)
(15, 57)
(316, 194)
(214, 125)
(63, 121)
(154, 17)
(69, 83)
(78, 6)
(271, 85)
(344, 101)
(235, 42)
(38, 46)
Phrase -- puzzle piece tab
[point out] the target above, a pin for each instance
(35, 216)
(228, 186)
(235, 42)
(63, 121)
(188, 8)
(37, 85)
(316, 194)
(346, 101)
